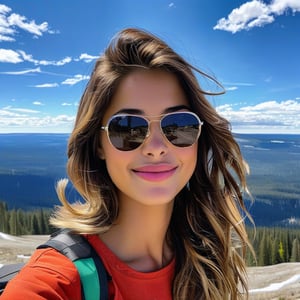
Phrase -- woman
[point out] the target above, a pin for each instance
(161, 177)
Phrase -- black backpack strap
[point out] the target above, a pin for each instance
(73, 246)
(76, 247)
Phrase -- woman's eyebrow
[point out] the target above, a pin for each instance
(134, 111)
(130, 111)
(176, 108)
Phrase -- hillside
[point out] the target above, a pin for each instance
(31, 164)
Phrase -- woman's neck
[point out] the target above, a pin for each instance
(138, 237)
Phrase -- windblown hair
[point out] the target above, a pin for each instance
(207, 229)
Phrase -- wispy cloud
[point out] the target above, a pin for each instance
(231, 88)
(19, 56)
(38, 103)
(16, 110)
(256, 13)
(11, 22)
(23, 72)
(29, 58)
(269, 115)
(86, 57)
(77, 78)
(46, 85)
(238, 83)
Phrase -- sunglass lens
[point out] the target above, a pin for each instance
(181, 129)
(127, 132)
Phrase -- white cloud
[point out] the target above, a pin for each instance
(10, 56)
(46, 85)
(19, 110)
(239, 83)
(29, 58)
(31, 27)
(231, 88)
(63, 61)
(256, 13)
(18, 56)
(268, 116)
(28, 120)
(38, 103)
(4, 9)
(281, 6)
(24, 72)
(86, 57)
(13, 120)
(77, 78)
(10, 22)
(4, 38)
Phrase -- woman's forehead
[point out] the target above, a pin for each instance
(149, 91)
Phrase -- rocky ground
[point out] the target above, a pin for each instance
(19, 249)
(274, 278)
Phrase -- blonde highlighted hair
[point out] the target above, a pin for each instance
(206, 231)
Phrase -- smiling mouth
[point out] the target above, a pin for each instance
(154, 173)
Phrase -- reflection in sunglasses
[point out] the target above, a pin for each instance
(127, 132)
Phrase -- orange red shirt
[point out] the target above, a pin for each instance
(52, 276)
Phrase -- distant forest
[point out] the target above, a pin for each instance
(20, 222)
(272, 245)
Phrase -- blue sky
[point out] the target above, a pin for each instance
(48, 49)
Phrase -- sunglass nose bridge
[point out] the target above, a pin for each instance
(154, 125)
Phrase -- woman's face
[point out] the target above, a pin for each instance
(155, 172)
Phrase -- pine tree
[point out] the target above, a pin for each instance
(34, 225)
(4, 227)
(275, 258)
(13, 222)
(264, 250)
(295, 256)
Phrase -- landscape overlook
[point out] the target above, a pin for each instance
(30, 165)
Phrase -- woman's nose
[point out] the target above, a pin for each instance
(155, 144)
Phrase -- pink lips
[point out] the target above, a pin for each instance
(155, 172)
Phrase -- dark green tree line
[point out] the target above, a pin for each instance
(273, 245)
(20, 222)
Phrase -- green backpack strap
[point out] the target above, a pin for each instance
(89, 278)
(93, 276)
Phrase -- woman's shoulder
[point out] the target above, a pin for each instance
(47, 273)
(51, 259)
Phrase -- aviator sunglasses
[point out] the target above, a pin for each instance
(127, 132)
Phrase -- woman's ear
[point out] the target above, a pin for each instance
(101, 153)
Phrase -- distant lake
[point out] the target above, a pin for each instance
(30, 165)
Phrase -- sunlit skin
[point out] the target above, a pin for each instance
(149, 177)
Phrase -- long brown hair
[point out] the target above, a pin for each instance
(207, 230)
